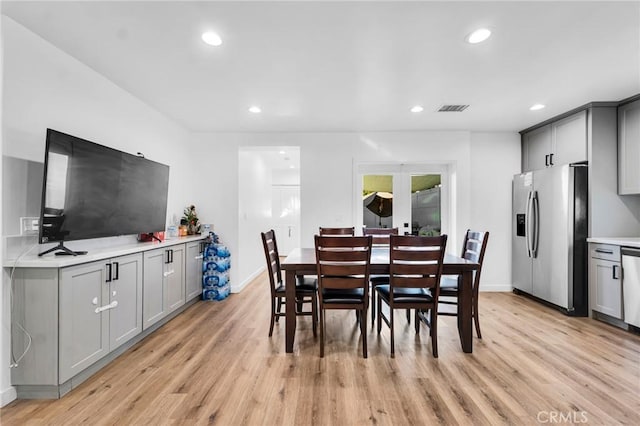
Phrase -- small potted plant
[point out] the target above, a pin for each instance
(191, 219)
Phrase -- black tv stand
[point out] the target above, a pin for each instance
(64, 250)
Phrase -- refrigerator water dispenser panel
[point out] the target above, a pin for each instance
(520, 225)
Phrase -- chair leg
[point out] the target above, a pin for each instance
(476, 319)
(363, 330)
(373, 306)
(416, 319)
(379, 314)
(279, 308)
(273, 315)
(321, 332)
(409, 316)
(434, 332)
(393, 347)
(314, 314)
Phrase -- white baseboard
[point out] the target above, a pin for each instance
(7, 395)
(238, 288)
(496, 287)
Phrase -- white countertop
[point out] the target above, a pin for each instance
(617, 241)
(32, 260)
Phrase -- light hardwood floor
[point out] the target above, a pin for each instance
(215, 364)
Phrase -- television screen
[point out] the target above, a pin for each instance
(93, 191)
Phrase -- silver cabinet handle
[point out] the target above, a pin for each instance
(199, 257)
(107, 307)
(599, 250)
(166, 274)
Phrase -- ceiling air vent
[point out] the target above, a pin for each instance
(453, 108)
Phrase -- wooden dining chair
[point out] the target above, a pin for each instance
(343, 279)
(349, 232)
(380, 237)
(415, 268)
(473, 249)
(306, 288)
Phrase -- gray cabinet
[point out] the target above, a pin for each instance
(163, 284)
(629, 148)
(125, 288)
(536, 147)
(561, 142)
(82, 314)
(604, 280)
(100, 309)
(175, 276)
(193, 273)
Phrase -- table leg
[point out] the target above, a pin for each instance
(465, 302)
(290, 313)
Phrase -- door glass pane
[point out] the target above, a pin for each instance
(377, 201)
(425, 205)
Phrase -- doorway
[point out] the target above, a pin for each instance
(269, 198)
(412, 197)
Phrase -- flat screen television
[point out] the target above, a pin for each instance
(92, 191)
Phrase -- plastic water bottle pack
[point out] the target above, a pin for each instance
(215, 270)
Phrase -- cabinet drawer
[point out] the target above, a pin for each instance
(605, 252)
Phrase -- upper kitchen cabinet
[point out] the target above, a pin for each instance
(560, 142)
(629, 148)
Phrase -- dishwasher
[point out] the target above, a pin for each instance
(631, 285)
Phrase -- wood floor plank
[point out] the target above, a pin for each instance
(215, 364)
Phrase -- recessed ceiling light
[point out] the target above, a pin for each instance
(211, 38)
(255, 109)
(479, 35)
(536, 107)
(417, 108)
(292, 166)
(282, 152)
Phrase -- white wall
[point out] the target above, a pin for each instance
(495, 158)
(254, 192)
(484, 162)
(44, 87)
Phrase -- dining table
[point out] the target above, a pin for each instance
(302, 261)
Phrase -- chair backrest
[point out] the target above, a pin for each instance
(349, 232)
(380, 235)
(343, 262)
(273, 259)
(473, 249)
(416, 262)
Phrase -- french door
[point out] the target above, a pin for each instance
(415, 198)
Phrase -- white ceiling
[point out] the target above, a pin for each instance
(351, 66)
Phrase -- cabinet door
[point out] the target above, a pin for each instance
(193, 273)
(84, 333)
(629, 148)
(570, 139)
(536, 147)
(153, 289)
(125, 319)
(606, 287)
(175, 276)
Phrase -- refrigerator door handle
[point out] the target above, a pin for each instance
(527, 224)
(536, 225)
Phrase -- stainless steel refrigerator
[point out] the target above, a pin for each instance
(549, 250)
